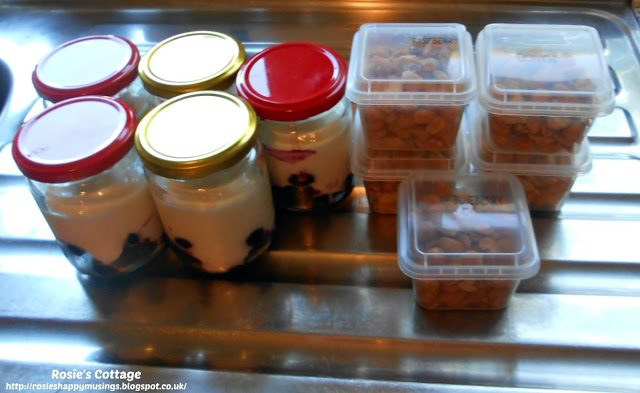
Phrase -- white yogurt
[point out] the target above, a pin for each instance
(218, 224)
(102, 227)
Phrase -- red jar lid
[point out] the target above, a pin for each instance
(293, 81)
(93, 65)
(75, 139)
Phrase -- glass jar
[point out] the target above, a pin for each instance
(93, 65)
(208, 180)
(92, 192)
(192, 61)
(297, 89)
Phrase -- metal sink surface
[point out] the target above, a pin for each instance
(327, 308)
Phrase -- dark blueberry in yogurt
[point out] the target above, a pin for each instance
(328, 200)
(182, 242)
(258, 240)
(301, 179)
(73, 250)
(135, 253)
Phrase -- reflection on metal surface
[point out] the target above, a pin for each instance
(327, 309)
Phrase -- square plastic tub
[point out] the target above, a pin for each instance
(382, 171)
(411, 83)
(543, 85)
(547, 178)
(468, 248)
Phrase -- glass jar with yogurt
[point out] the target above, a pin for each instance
(89, 184)
(93, 65)
(208, 179)
(192, 61)
(298, 89)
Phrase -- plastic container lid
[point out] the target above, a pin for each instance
(543, 70)
(293, 81)
(196, 134)
(374, 164)
(486, 156)
(193, 61)
(454, 226)
(75, 139)
(93, 65)
(412, 63)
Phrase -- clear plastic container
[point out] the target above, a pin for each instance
(543, 85)
(411, 83)
(191, 61)
(297, 89)
(92, 192)
(93, 65)
(465, 240)
(547, 178)
(208, 180)
(382, 171)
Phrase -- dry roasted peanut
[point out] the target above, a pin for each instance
(429, 64)
(380, 65)
(558, 123)
(423, 116)
(440, 75)
(451, 245)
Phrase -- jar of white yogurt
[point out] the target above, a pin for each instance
(191, 61)
(208, 179)
(93, 65)
(297, 89)
(89, 184)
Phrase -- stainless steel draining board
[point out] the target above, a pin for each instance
(327, 309)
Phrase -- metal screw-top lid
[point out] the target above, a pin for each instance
(196, 134)
(194, 61)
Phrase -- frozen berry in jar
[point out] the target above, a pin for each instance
(92, 192)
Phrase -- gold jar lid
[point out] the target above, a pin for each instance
(196, 134)
(193, 61)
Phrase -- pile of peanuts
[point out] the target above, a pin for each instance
(383, 194)
(548, 134)
(538, 133)
(478, 233)
(544, 192)
(406, 68)
(463, 294)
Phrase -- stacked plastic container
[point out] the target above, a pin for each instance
(540, 88)
(411, 84)
(466, 241)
